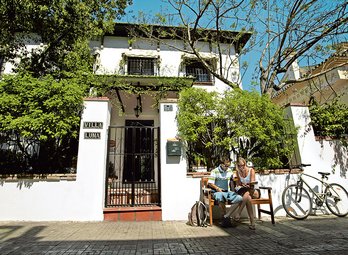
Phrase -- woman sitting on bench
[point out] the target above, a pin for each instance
(245, 187)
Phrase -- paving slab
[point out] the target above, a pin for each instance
(316, 235)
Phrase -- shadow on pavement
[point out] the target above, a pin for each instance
(312, 236)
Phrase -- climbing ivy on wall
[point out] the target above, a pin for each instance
(330, 120)
(134, 84)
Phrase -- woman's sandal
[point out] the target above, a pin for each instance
(252, 227)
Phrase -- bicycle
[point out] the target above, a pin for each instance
(297, 201)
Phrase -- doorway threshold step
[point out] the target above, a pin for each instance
(150, 213)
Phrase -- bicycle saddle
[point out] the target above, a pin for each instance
(324, 173)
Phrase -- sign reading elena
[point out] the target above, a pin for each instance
(92, 135)
(91, 124)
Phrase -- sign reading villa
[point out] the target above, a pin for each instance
(91, 124)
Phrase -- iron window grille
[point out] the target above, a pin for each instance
(141, 66)
(197, 70)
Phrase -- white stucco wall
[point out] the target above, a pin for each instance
(179, 192)
(277, 182)
(323, 156)
(62, 200)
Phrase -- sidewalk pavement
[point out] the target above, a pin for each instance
(315, 235)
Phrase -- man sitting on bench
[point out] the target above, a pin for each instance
(219, 181)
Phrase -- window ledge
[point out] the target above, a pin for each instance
(37, 177)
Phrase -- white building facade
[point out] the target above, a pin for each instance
(130, 164)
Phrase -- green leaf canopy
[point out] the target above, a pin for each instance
(40, 108)
(241, 122)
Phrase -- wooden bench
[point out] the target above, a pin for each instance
(210, 202)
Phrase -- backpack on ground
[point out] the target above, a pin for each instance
(198, 215)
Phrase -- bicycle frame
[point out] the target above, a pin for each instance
(298, 202)
(321, 195)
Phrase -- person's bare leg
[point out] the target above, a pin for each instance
(250, 213)
(223, 208)
(231, 210)
(241, 206)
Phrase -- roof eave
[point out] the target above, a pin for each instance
(238, 38)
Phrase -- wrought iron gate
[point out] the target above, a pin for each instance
(133, 169)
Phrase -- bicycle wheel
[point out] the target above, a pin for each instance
(337, 199)
(296, 202)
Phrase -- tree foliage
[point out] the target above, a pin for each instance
(239, 122)
(40, 106)
(61, 25)
(330, 119)
(39, 117)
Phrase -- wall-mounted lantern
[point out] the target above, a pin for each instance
(138, 108)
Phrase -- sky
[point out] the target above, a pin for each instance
(151, 7)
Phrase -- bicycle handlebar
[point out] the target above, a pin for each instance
(304, 165)
(300, 166)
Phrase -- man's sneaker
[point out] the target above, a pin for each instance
(226, 223)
